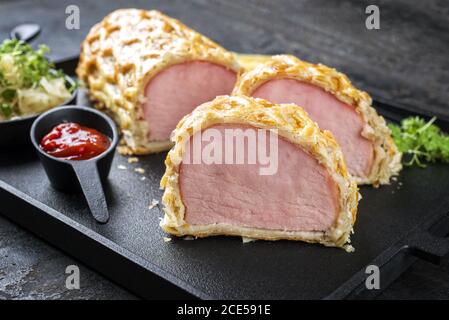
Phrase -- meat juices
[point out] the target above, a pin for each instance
(300, 196)
(178, 89)
(330, 114)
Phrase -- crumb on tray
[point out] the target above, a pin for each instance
(140, 170)
(153, 204)
(248, 240)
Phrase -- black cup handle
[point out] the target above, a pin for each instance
(89, 179)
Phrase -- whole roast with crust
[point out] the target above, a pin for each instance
(148, 70)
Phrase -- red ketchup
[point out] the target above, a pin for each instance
(72, 141)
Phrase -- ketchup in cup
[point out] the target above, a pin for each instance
(71, 141)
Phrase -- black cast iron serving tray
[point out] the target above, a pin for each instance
(396, 225)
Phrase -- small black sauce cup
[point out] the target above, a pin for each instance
(78, 175)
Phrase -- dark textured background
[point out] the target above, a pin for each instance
(407, 62)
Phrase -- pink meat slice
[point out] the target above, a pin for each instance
(330, 114)
(300, 196)
(178, 89)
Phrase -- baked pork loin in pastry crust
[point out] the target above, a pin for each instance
(148, 70)
(331, 100)
(310, 197)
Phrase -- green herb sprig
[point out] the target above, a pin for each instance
(422, 142)
(32, 64)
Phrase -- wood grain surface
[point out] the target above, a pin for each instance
(406, 61)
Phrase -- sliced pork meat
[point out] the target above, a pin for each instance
(336, 105)
(330, 114)
(178, 89)
(148, 71)
(239, 195)
(217, 180)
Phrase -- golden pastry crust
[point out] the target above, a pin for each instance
(387, 158)
(124, 51)
(249, 61)
(293, 124)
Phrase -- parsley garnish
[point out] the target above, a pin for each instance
(32, 64)
(422, 142)
(6, 109)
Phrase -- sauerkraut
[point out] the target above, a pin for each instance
(29, 83)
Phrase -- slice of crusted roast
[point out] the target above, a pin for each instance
(331, 100)
(148, 70)
(311, 197)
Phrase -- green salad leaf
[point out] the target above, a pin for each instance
(421, 141)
